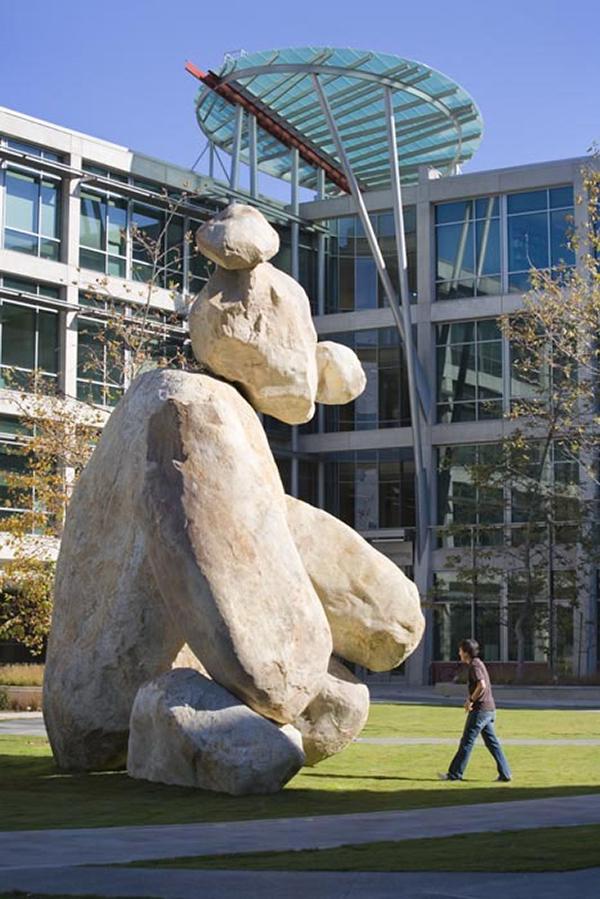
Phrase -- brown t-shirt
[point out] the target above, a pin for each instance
(477, 672)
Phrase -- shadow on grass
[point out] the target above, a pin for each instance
(362, 779)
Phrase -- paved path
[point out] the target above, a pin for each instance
(25, 724)
(328, 885)
(100, 846)
(451, 741)
(31, 724)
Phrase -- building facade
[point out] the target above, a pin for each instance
(69, 207)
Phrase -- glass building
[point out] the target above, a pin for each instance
(70, 205)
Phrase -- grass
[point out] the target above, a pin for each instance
(389, 720)
(21, 675)
(547, 849)
(363, 778)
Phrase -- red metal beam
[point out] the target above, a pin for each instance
(235, 95)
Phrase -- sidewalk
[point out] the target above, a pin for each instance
(25, 850)
(291, 885)
(565, 698)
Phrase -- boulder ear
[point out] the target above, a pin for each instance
(341, 375)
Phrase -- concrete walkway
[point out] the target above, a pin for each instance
(452, 741)
(105, 845)
(291, 885)
(49, 861)
(31, 724)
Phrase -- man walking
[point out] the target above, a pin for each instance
(481, 710)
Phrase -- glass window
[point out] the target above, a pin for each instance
(100, 366)
(18, 336)
(529, 201)
(22, 198)
(352, 279)
(32, 220)
(469, 371)
(384, 402)
(365, 289)
(539, 229)
(468, 248)
(371, 489)
(29, 341)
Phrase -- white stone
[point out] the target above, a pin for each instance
(254, 328)
(341, 375)
(188, 730)
(373, 609)
(335, 716)
(239, 237)
(177, 532)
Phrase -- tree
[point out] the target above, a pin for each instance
(119, 338)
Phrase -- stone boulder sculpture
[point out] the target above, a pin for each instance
(181, 548)
(373, 609)
(341, 376)
(335, 716)
(253, 327)
(189, 731)
(239, 237)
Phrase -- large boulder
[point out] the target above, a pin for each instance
(373, 609)
(239, 237)
(188, 730)
(341, 375)
(177, 532)
(254, 328)
(335, 716)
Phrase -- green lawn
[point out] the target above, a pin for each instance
(364, 778)
(389, 720)
(548, 849)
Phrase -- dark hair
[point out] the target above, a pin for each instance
(471, 647)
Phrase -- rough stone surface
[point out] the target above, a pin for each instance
(341, 376)
(239, 237)
(254, 328)
(176, 532)
(373, 609)
(335, 716)
(188, 730)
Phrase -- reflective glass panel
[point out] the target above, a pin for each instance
(453, 212)
(366, 283)
(530, 201)
(455, 256)
(22, 197)
(117, 227)
(18, 336)
(527, 242)
(48, 341)
(50, 209)
(561, 227)
(93, 223)
(561, 196)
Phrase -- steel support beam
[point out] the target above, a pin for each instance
(295, 204)
(422, 487)
(421, 381)
(253, 155)
(234, 178)
(321, 252)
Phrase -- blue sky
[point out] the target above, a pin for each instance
(115, 69)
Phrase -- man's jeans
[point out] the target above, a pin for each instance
(478, 723)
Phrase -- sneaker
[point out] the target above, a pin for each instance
(448, 777)
(503, 780)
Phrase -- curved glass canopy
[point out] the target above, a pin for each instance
(437, 122)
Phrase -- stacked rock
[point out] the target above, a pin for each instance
(179, 532)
